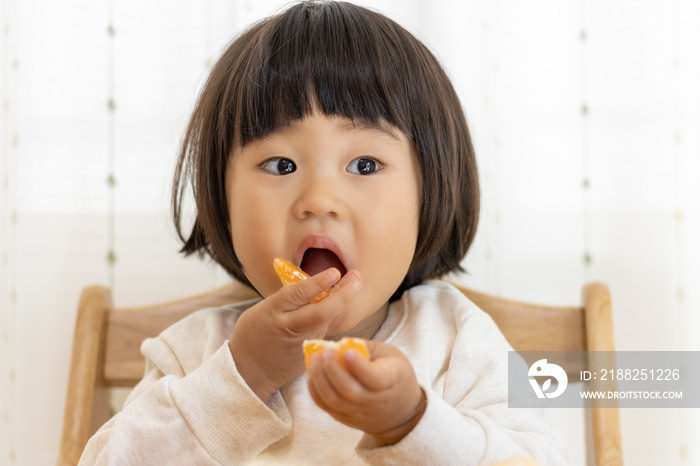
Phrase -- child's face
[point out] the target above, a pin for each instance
(323, 183)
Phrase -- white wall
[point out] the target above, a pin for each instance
(585, 116)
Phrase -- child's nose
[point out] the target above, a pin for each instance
(320, 196)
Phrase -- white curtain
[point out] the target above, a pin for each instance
(585, 117)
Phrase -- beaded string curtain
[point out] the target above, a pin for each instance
(584, 116)
(585, 147)
(8, 240)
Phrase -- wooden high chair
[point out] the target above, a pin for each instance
(106, 351)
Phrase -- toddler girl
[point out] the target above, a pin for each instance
(329, 136)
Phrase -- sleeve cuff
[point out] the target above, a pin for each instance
(442, 436)
(229, 420)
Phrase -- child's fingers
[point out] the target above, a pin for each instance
(296, 295)
(320, 388)
(378, 350)
(380, 371)
(330, 307)
(373, 375)
(334, 389)
(343, 382)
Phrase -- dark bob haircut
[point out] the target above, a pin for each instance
(343, 60)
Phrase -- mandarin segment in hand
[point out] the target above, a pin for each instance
(312, 347)
(350, 343)
(290, 273)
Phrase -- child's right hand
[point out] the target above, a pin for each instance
(266, 343)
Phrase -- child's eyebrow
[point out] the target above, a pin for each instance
(365, 125)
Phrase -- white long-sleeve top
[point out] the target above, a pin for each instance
(193, 407)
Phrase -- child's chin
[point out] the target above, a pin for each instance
(339, 326)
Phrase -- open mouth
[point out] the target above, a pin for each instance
(317, 260)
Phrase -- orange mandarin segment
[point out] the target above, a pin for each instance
(290, 273)
(312, 347)
(349, 343)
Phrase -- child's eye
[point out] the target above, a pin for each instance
(364, 166)
(279, 166)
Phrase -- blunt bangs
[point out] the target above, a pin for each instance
(321, 57)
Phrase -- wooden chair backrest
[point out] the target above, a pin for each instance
(106, 350)
(128, 327)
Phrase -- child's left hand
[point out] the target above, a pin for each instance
(380, 397)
